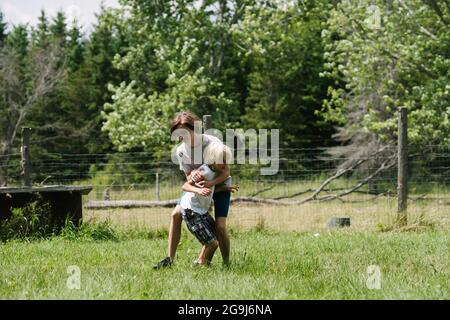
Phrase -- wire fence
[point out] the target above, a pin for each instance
(132, 175)
(310, 186)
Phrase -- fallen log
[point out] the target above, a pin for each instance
(257, 200)
(128, 204)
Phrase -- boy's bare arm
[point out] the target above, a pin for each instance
(189, 187)
(188, 175)
(232, 188)
(221, 177)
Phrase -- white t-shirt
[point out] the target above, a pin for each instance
(185, 154)
(196, 202)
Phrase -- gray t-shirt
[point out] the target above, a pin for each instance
(185, 153)
(196, 202)
(185, 156)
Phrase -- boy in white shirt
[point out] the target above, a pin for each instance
(196, 201)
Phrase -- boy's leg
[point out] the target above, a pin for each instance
(174, 232)
(174, 239)
(209, 250)
(221, 207)
(201, 256)
(224, 239)
(202, 226)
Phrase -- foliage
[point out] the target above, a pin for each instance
(222, 58)
(389, 54)
(34, 221)
(31, 221)
(312, 68)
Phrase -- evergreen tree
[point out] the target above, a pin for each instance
(105, 42)
(75, 47)
(41, 33)
(18, 40)
(3, 26)
(58, 28)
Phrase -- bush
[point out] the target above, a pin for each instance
(88, 231)
(34, 221)
(31, 221)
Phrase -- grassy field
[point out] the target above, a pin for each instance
(170, 188)
(309, 217)
(266, 265)
(278, 252)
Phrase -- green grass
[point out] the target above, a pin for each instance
(266, 265)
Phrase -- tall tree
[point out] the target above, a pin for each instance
(3, 27)
(107, 40)
(75, 47)
(282, 48)
(26, 77)
(248, 62)
(388, 54)
(41, 35)
(58, 28)
(180, 57)
(18, 40)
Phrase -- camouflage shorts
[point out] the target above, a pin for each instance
(202, 226)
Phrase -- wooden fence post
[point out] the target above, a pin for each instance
(25, 162)
(207, 122)
(402, 173)
(157, 186)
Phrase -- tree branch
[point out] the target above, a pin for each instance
(384, 166)
(394, 56)
(421, 28)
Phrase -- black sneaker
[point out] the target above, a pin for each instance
(166, 262)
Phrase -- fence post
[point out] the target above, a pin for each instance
(207, 122)
(402, 173)
(25, 162)
(106, 194)
(157, 186)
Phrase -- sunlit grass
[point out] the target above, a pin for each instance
(265, 265)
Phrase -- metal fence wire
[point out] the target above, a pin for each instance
(132, 175)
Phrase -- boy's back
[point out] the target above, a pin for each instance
(196, 202)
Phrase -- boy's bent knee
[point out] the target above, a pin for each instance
(176, 213)
(213, 244)
(221, 230)
(221, 224)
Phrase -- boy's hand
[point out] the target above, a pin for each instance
(196, 176)
(204, 184)
(204, 191)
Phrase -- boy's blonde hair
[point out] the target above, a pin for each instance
(217, 153)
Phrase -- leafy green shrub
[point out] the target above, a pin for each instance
(35, 221)
(31, 221)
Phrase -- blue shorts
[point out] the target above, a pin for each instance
(221, 203)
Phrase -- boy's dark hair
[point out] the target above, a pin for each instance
(183, 119)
